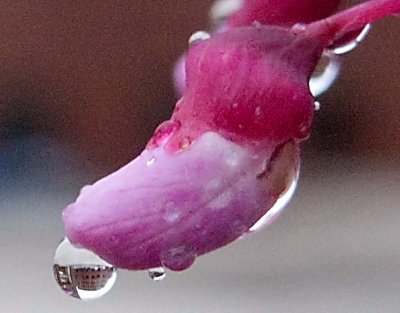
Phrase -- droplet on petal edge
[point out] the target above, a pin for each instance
(82, 274)
(281, 177)
(278, 207)
(84, 189)
(178, 258)
(199, 36)
(325, 75)
(157, 274)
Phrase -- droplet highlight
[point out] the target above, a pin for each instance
(352, 44)
(157, 274)
(82, 274)
(325, 74)
(198, 37)
(222, 9)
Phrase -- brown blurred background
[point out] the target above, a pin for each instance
(96, 75)
(83, 84)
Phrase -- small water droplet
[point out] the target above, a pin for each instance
(185, 143)
(352, 44)
(199, 36)
(84, 189)
(151, 161)
(171, 212)
(231, 157)
(178, 258)
(163, 133)
(317, 105)
(82, 274)
(299, 28)
(157, 273)
(325, 74)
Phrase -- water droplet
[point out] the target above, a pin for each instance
(157, 273)
(178, 258)
(151, 161)
(325, 74)
(277, 208)
(185, 143)
(163, 133)
(317, 105)
(82, 274)
(231, 157)
(222, 200)
(199, 36)
(299, 28)
(222, 9)
(84, 189)
(353, 43)
(280, 178)
(171, 212)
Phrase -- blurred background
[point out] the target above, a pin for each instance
(83, 84)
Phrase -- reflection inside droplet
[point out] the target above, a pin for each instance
(157, 274)
(82, 274)
(325, 74)
(178, 258)
(274, 212)
(280, 179)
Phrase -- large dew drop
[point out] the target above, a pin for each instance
(82, 274)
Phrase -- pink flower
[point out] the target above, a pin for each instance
(266, 12)
(230, 150)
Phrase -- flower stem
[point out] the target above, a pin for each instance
(352, 19)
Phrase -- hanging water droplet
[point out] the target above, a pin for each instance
(157, 274)
(325, 74)
(82, 274)
(353, 43)
(317, 105)
(199, 36)
(277, 208)
(178, 258)
(280, 178)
